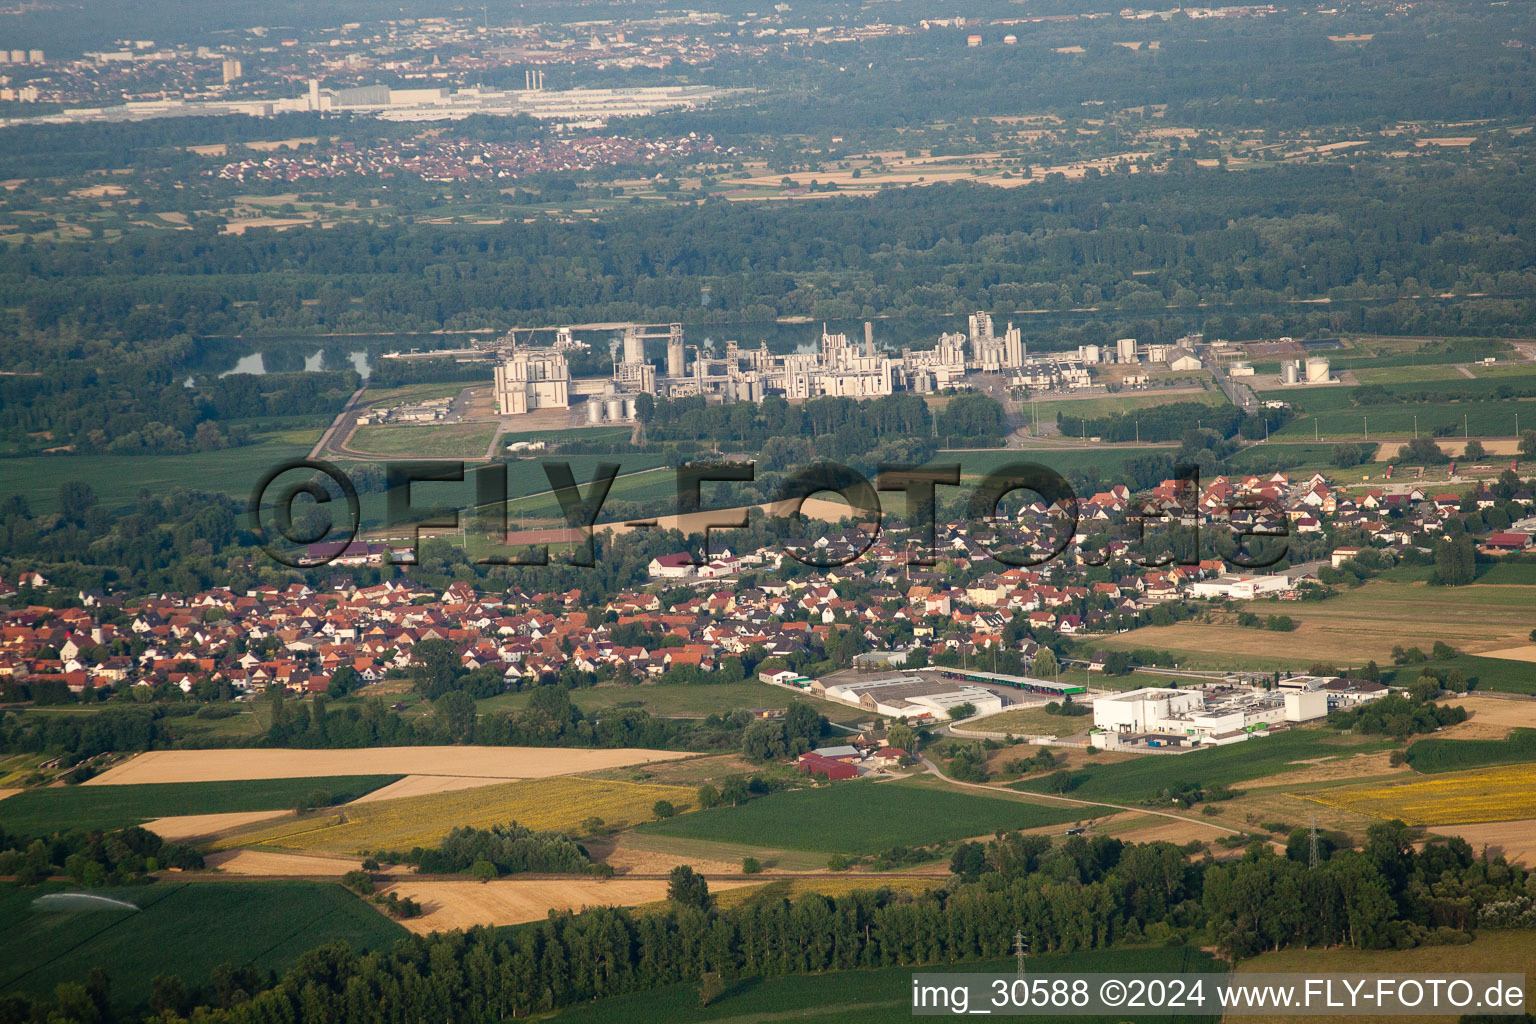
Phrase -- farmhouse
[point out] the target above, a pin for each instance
(816, 764)
(1506, 543)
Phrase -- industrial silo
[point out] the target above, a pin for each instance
(1290, 373)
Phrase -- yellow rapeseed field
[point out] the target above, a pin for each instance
(545, 805)
(1455, 798)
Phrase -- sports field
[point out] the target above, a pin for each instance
(859, 817)
(553, 805)
(182, 928)
(38, 812)
(488, 762)
(1353, 627)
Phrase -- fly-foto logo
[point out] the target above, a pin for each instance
(280, 515)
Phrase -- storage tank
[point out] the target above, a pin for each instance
(1317, 369)
(629, 408)
(1289, 374)
(615, 409)
(1090, 353)
(594, 411)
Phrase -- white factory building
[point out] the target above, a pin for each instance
(912, 696)
(1242, 588)
(1165, 717)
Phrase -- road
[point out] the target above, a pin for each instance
(995, 791)
(343, 419)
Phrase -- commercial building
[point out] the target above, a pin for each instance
(1158, 717)
(1242, 588)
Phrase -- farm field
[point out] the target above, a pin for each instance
(1484, 673)
(1436, 755)
(1108, 460)
(794, 888)
(1516, 840)
(1491, 951)
(694, 701)
(181, 928)
(38, 812)
(1482, 795)
(1144, 778)
(1480, 417)
(1353, 627)
(489, 762)
(1033, 721)
(864, 997)
(185, 828)
(436, 440)
(267, 864)
(858, 817)
(118, 479)
(448, 905)
(559, 804)
(1124, 401)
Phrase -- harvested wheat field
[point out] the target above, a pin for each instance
(1526, 652)
(502, 763)
(1516, 840)
(448, 905)
(424, 785)
(183, 828)
(626, 860)
(1364, 623)
(1358, 766)
(544, 805)
(8, 792)
(1482, 795)
(1492, 718)
(291, 865)
(1169, 830)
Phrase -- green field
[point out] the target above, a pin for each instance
(432, 440)
(679, 701)
(1146, 778)
(38, 812)
(185, 928)
(1491, 951)
(1437, 755)
(1407, 374)
(866, 997)
(1454, 405)
(859, 817)
(1109, 461)
(1110, 405)
(1499, 674)
(119, 478)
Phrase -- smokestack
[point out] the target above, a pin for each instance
(869, 338)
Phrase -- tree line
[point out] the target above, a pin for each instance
(1064, 897)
